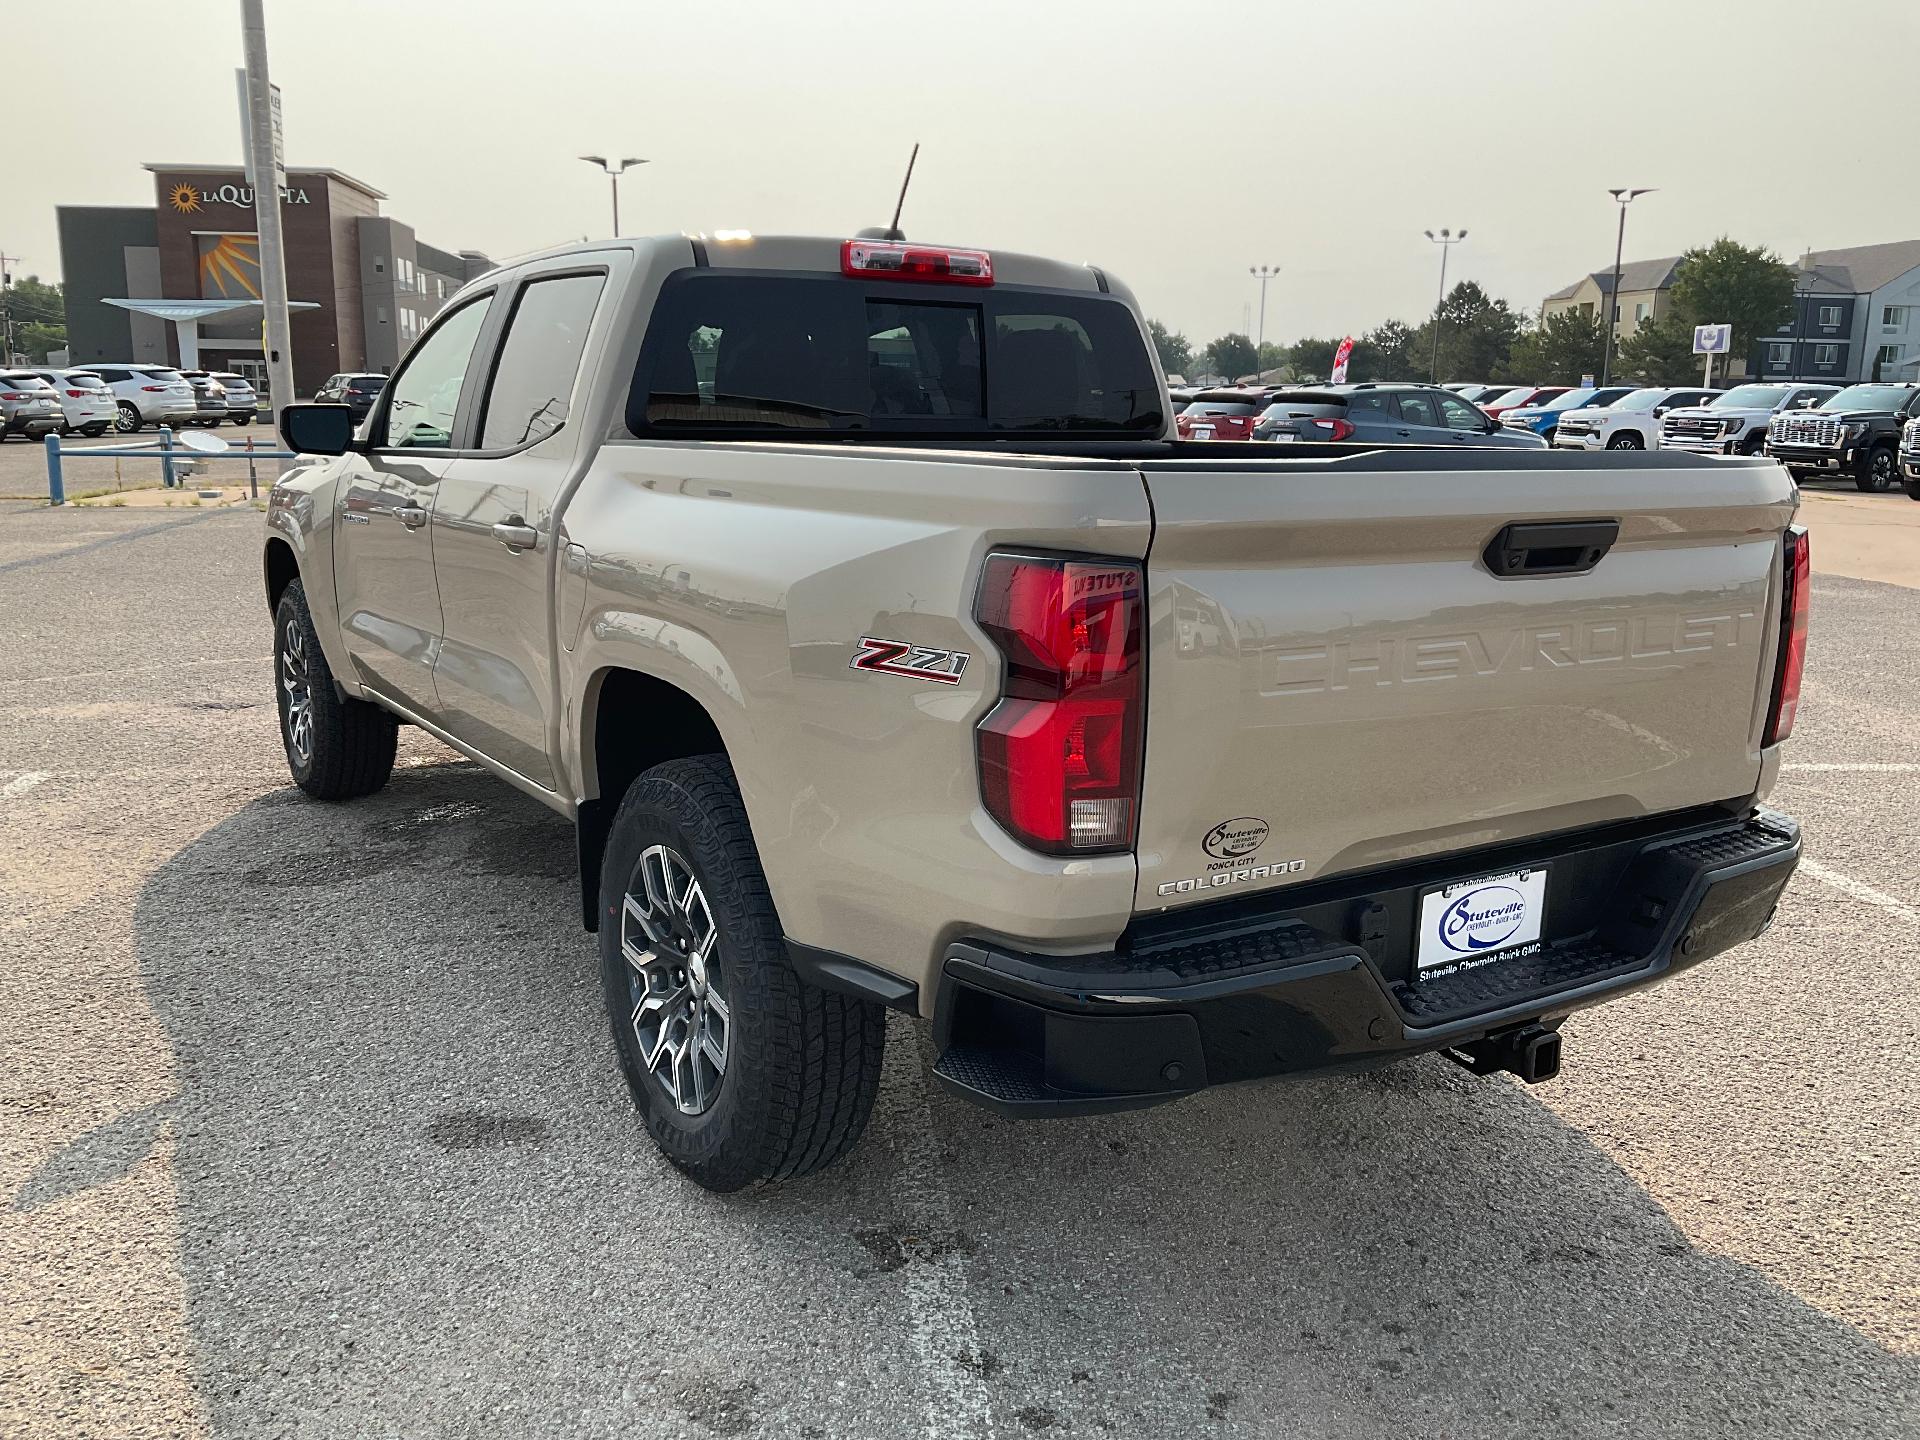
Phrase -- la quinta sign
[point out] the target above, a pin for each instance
(191, 199)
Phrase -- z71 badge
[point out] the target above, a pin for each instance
(916, 662)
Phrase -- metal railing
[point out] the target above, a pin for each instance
(173, 458)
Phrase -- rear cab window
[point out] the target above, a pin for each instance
(738, 352)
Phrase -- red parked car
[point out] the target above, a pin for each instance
(1221, 415)
(1496, 405)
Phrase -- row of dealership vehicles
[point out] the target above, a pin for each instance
(36, 401)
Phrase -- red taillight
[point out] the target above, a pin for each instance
(895, 260)
(1796, 569)
(78, 394)
(1332, 429)
(156, 389)
(1060, 753)
(14, 395)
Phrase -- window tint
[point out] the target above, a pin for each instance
(1459, 415)
(1416, 409)
(162, 373)
(111, 375)
(838, 356)
(539, 359)
(1367, 402)
(426, 395)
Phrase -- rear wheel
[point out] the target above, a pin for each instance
(337, 748)
(742, 1072)
(127, 421)
(1626, 440)
(1879, 471)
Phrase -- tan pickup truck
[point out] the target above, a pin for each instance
(853, 601)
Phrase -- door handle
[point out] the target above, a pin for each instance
(1550, 547)
(514, 533)
(411, 516)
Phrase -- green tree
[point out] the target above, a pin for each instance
(1476, 335)
(39, 315)
(1311, 359)
(1173, 348)
(1660, 352)
(1272, 356)
(1727, 283)
(1559, 350)
(1232, 356)
(1385, 353)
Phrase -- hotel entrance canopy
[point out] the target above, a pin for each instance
(186, 316)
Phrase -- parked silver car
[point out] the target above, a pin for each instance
(243, 402)
(29, 406)
(86, 402)
(147, 395)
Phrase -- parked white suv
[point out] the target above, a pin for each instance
(88, 402)
(1736, 422)
(1630, 423)
(148, 395)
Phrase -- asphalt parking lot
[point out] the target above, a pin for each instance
(309, 1124)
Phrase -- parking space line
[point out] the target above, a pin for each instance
(1860, 890)
(1892, 767)
(21, 784)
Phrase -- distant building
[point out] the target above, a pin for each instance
(1857, 313)
(179, 283)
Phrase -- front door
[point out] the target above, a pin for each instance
(388, 597)
(493, 530)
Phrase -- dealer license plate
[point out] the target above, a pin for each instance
(1465, 924)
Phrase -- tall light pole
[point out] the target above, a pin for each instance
(1263, 273)
(1623, 197)
(614, 169)
(1446, 240)
(266, 210)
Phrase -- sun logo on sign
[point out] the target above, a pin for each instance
(184, 198)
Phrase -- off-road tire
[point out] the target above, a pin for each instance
(1879, 470)
(803, 1064)
(353, 741)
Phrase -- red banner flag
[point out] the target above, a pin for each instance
(1340, 358)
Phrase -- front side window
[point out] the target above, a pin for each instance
(1459, 415)
(426, 395)
(836, 356)
(533, 381)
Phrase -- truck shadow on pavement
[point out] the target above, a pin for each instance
(413, 1198)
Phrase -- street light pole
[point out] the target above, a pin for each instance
(1623, 197)
(278, 330)
(1263, 273)
(1446, 240)
(614, 169)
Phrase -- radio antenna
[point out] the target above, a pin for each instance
(893, 230)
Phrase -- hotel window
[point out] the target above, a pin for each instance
(1889, 355)
(1826, 354)
(1893, 318)
(1829, 315)
(1640, 312)
(1779, 354)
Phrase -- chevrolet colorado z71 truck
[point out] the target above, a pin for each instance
(852, 601)
(1855, 432)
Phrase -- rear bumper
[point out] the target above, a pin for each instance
(1327, 986)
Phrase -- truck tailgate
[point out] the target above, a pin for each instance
(1337, 679)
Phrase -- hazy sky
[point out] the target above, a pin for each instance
(1173, 145)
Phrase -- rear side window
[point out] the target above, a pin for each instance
(168, 375)
(533, 379)
(732, 352)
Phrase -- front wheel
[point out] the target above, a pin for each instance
(1753, 445)
(127, 419)
(1880, 472)
(1626, 440)
(337, 748)
(742, 1072)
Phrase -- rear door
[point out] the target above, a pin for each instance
(493, 526)
(383, 561)
(1334, 666)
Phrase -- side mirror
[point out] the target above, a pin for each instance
(317, 429)
(1492, 426)
(1659, 410)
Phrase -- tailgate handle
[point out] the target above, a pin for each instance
(1550, 547)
